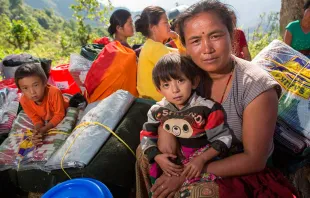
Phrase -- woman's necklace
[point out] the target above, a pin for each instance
(230, 76)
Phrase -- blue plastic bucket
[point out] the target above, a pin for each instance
(79, 188)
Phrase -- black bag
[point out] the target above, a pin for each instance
(12, 62)
(91, 51)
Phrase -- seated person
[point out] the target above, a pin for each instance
(121, 26)
(297, 34)
(240, 45)
(197, 123)
(153, 24)
(43, 103)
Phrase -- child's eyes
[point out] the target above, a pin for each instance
(181, 80)
(166, 85)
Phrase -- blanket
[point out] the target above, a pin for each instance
(114, 69)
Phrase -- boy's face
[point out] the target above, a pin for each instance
(33, 88)
(177, 91)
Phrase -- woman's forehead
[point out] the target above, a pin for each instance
(204, 22)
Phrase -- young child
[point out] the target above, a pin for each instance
(197, 124)
(43, 103)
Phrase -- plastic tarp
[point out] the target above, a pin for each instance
(87, 138)
(78, 68)
(8, 108)
(291, 70)
(33, 157)
(36, 158)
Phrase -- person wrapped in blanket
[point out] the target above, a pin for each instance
(194, 124)
(43, 103)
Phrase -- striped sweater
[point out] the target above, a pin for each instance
(199, 123)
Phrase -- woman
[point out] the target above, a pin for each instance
(153, 24)
(121, 26)
(297, 34)
(240, 46)
(206, 30)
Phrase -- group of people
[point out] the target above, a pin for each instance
(202, 135)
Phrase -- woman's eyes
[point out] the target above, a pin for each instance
(214, 37)
(195, 41)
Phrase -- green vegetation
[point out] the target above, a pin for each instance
(45, 34)
(266, 31)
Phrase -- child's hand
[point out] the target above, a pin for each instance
(194, 167)
(167, 166)
(37, 139)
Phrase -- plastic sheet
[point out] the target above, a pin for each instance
(35, 159)
(8, 108)
(79, 67)
(291, 70)
(85, 141)
(9, 148)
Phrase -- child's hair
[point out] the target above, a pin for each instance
(29, 69)
(150, 16)
(118, 18)
(174, 65)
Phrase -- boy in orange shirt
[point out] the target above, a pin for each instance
(43, 103)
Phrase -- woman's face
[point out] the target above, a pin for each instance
(208, 42)
(162, 29)
(128, 28)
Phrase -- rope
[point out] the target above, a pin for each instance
(84, 124)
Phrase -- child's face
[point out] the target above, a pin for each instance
(177, 91)
(32, 87)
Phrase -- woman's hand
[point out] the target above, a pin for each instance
(166, 186)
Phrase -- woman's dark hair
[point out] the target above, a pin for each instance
(214, 6)
(118, 18)
(174, 65)
(150, 16)
(29, 69)
(307, 5)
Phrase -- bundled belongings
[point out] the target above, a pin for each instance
(91, 51)
(17, 151)
(113, 164)
(78, 68)
(9, 101)
(61, 78)
(114, 69)
(91, 133)
(10, 63)
(291, 69)
(38, 156)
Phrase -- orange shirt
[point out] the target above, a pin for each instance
(52, 109)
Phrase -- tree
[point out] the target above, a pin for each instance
(89, 10)
(266, 31)
(291, 10)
